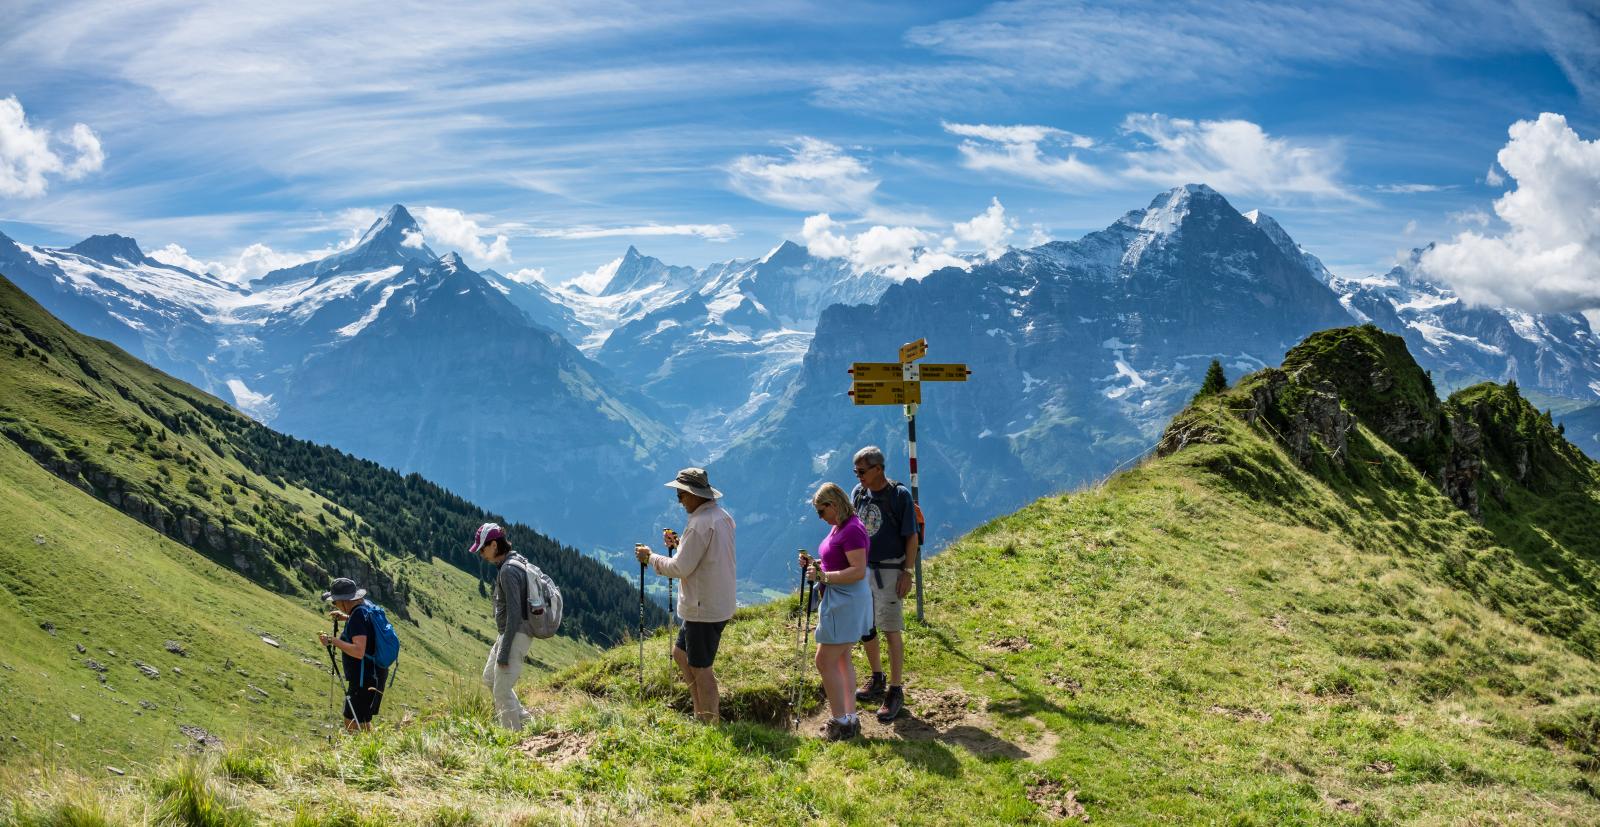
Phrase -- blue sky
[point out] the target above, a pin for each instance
(546, 141)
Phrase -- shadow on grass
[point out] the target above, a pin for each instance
(1027, 702)
(930, 756)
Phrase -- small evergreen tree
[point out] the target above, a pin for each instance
(1215, 382)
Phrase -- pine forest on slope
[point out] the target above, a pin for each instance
(1290, 614)
(182, 479)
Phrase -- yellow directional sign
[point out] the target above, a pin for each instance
(946, 372)
(914, 351)
(876, 372)
(886, 393)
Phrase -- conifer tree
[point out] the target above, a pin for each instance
(1215, 382)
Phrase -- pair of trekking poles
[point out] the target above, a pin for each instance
(339, 682)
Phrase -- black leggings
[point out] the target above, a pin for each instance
(364, 697)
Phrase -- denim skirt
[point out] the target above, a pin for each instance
(846, 613)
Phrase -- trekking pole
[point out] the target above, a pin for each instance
(811, 594)
(641, 630)
(796, 689)
(672, 595)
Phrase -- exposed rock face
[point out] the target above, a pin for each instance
(1338, 379)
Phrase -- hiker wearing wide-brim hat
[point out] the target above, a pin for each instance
(364, 678)
(705, 563)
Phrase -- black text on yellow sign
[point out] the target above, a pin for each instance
(877, 372)
(943, 372)
(914, 350)
(886, 393)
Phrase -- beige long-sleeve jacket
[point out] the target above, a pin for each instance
(705, 564)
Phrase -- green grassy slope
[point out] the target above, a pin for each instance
(287, 513)
(113, 586)
(135, 510)
(1277, 621)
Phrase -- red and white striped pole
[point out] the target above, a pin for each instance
(911, 433)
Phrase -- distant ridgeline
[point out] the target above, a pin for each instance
(1486, 447)
(286, 513)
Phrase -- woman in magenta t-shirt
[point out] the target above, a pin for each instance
(846, 613)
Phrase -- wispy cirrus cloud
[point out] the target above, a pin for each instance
(1411, 189)
(1110, 45)
(1024, 151)
(1235, 156)
(1572, 35)
(709, 232)
(814, 175)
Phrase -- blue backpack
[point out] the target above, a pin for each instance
(387, 650)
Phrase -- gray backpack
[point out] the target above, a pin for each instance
(543, 607)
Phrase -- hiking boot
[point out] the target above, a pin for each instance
(893, 704)
(833, 730)
(873, 690)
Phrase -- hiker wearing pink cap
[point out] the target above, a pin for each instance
(510, 648)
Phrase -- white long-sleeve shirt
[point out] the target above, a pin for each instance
(705, 564)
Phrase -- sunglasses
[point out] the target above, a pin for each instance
(861, 470)
(822, 509)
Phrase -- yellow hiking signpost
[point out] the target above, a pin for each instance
(900, 383)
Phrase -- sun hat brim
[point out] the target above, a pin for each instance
(707, 492)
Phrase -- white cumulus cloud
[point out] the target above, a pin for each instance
(1548, 260)
(1022, 150)
(815, 175)
(1235, 156)
(904, 252)
(450, 229)
(991, 230)
(27, 157)
(1493, 178)
(527, 275)
(251, 263)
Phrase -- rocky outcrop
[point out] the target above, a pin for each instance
(1480, 439)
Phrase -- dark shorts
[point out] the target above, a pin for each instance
(364, 700)
(700, 642)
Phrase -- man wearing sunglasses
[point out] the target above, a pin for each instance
(889, 514)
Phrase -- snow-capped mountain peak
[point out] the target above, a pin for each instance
(396, 225)
(109, 249)
(392, 241)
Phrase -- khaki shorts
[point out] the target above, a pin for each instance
(888, 610)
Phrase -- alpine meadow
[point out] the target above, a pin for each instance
(979, 412)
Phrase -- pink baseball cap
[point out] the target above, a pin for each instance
(485, 533)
